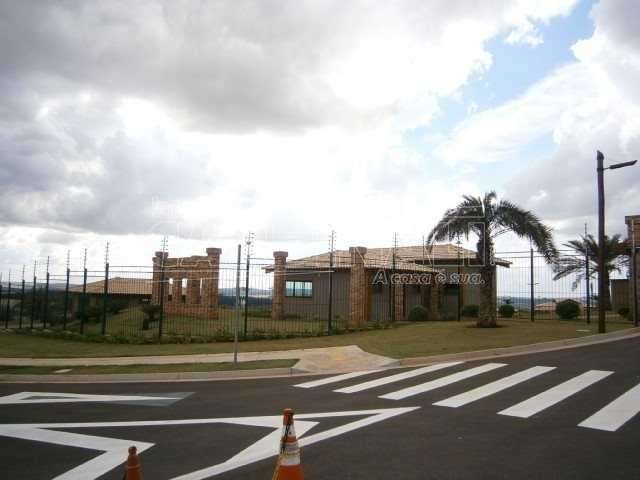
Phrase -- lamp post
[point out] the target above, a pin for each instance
(601, 286)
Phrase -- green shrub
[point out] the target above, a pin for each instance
(470, 311)
(623, 312)
(150, 311)
(418, 314)
(506, 310)
(116, 305)
(567, 309)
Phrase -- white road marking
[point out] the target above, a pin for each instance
(57, 397)
(395, 378)
(116, 449)
(555, 395)
(493, 387)
(250, 455)
(441, 382)
(616, 413)
(335, 379)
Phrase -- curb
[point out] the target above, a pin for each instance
(542, 347)
(156, 377)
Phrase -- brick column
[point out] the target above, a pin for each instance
(399, 303)
(155, 285)
(279, 279)
(193, 284)
(210, 287)
(358, 288)
(434, 299)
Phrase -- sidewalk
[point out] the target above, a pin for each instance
(312, 360)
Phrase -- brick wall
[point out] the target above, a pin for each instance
(198, 270)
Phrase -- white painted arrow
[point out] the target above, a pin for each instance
(115, 449)
(57, 397)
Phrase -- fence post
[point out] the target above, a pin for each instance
(330, 306)
(33, 297)
(6, 319)
(586, 262)
(83, 301)
(45, 311)
(1, 296)
(237, 315)
(532, 279)
(21, 302)
(66, 295)
(161, 313)
(246, 289)
(105, 295)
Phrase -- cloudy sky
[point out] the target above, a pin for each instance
(126, 121)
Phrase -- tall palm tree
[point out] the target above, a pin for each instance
(487, 218)
(615, 257)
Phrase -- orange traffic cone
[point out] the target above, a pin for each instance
(133, 470)
(288, 465)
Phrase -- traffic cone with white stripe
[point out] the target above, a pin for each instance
(288, 465)
(133, 470)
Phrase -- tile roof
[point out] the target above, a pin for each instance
(406, 258)
(118, 286)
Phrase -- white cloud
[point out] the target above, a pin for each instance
(205, 120)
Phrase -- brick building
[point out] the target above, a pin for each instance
(378, 284)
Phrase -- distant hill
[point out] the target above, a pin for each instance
(524, 302)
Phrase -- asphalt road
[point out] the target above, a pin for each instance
(462, 438)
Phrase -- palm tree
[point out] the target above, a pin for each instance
(615, 257)
(487, 218)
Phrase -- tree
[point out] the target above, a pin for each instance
(615, 257)
(487, 218)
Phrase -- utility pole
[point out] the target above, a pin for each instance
(163, 245)
(601, 284)
(249, 243)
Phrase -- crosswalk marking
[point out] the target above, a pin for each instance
(555, 395)
(616, 413)
(336, 378)
(396, 378)
(493, 387)
(441, 382)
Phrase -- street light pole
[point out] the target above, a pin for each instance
(601, 285)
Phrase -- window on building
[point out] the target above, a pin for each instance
(298, 289)
(183, 284)
(170, 294)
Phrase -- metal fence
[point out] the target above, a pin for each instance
(528, 284)
(118, 301)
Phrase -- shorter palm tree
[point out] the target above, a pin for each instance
(615, 258)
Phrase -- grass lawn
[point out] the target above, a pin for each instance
(408, 340)
(178, 367)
